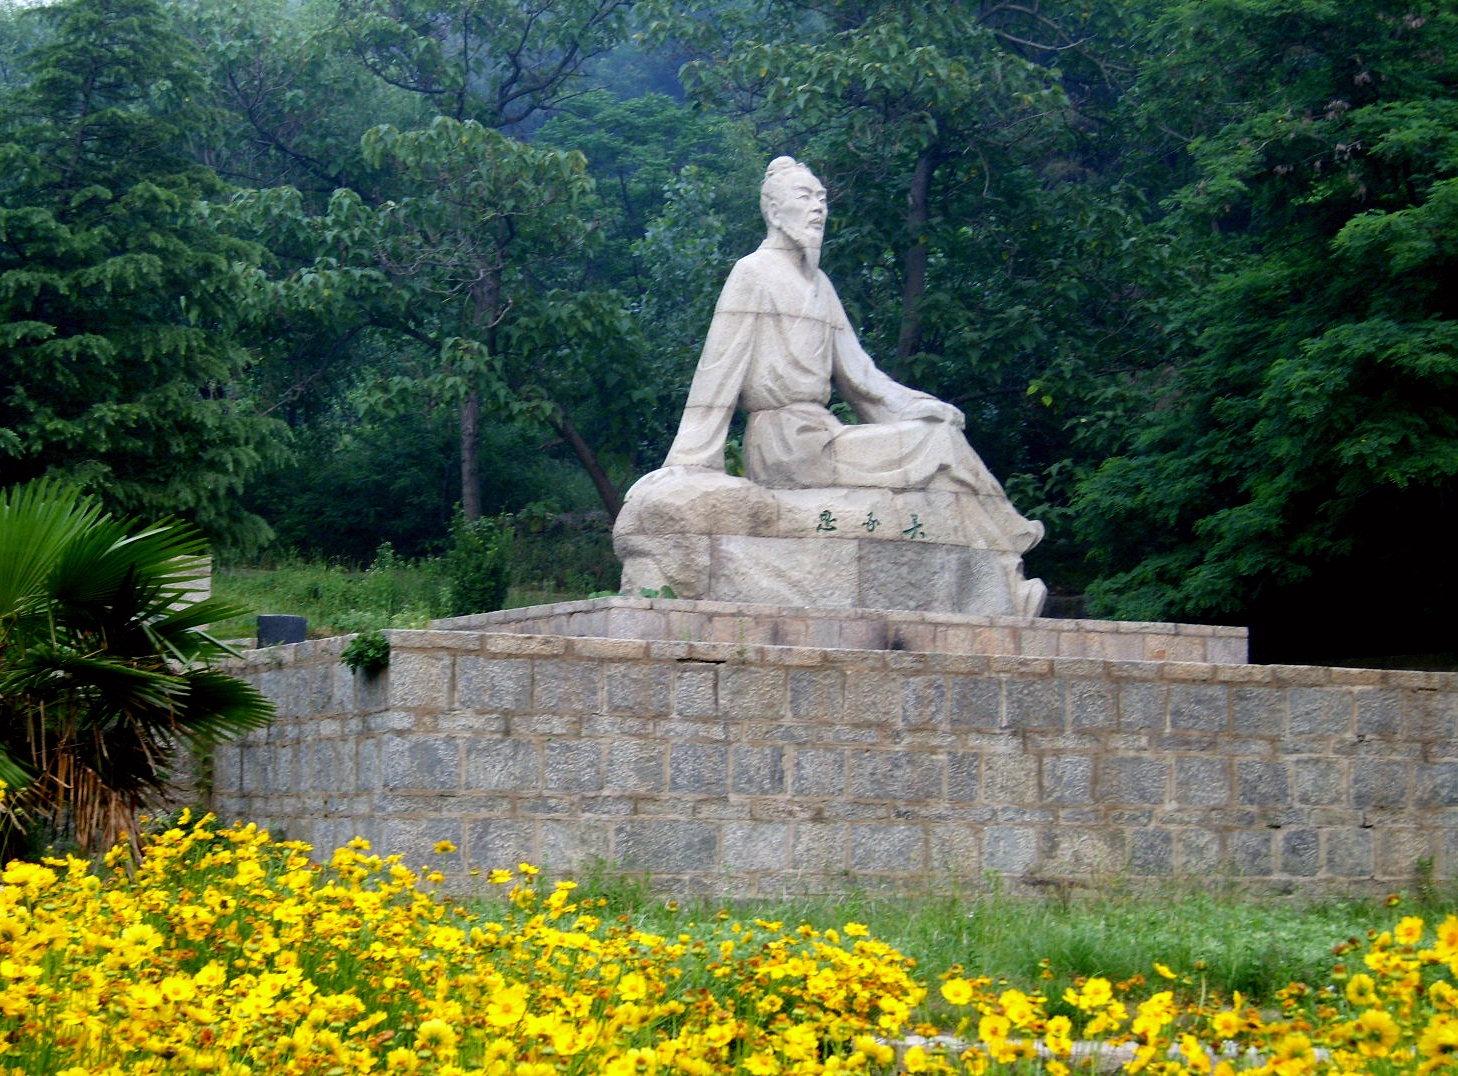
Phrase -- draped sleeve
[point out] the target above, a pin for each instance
(871, 393)
(719, 378)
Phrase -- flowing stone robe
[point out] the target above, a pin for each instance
(778, 344)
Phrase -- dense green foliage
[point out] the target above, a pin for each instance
(479, 564)
(340, 267)
(118, 300)
(104, 671)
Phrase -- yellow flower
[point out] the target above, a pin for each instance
(914, 1060)
(1438, 1042)
(761, 1064)
(857, 930)
(436, 1036)
(507, 1007)
(1361, 989)
(444, 848)
(957, 991)
(1226, 1024)
(1409, 930)
(993, 1028)
(1059, 1037)
(1164, 971)
(1095, 994)
(1018, 1007)
(633, 987)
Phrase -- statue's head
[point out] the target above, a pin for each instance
(792, 201)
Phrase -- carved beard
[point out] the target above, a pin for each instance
(807, 239)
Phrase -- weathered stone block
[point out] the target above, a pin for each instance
(756, 846)
(1033, 704)
(414, 839)
(1067, 779)
(816, 694)
(1132, 779)
(1320, 711)
(975, 702)
(419, 681)
(492, 843)
(757, 771)
(1258, 711)
(696, 692)
(501, 766)
(1142, 706)
(1251, 854)
(818, 772)
(876, 847)
(641, 689)
(1262, 783)
(1092, 704)
(1400, 851)
(698, 768)
(1201, 781)
(1300, 853)
(1319, 782)
(1010, 778)
(1349, 853)
(1198, 707)
(1380, 783)
(493, 685)
(635, 766)
(1379, 713)
(666, 845)
(747, 693)
(567, 687)
(1009, 850)
(570, 765)
(964, 777)
(1151, 853)
(575, 844)
(1436, 784)
(903, 776)
(1073, 850)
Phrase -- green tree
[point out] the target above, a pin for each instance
(1303, 459)
(498, 62)
(118, 300)
(467, 246)
(103, 664)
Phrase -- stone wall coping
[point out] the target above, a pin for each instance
(510, 644)
(482, 621)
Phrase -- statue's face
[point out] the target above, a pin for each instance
(799, 209)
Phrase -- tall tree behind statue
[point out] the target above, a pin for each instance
(117, 299)
(1300, 470)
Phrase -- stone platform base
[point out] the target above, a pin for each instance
(748, 624)
(710, 536)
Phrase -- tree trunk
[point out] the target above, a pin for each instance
(917, 253)
(607, 492)
(471, 455)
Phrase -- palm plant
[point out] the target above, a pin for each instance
(104, 664)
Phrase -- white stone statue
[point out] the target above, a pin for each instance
(779, 343)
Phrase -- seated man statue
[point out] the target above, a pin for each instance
(779, 343)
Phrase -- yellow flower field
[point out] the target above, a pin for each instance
(222, 950)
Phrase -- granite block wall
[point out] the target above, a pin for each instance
(747, 769)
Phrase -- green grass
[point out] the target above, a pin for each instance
(1216, 942)
(394, 592)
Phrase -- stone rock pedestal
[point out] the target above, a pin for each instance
(711, 536)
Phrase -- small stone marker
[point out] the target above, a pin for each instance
(275, 628)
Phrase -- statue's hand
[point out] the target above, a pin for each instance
(934, 410)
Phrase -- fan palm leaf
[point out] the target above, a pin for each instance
(103, 661)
